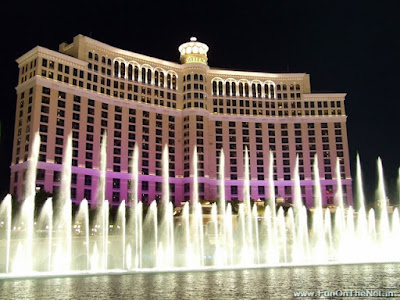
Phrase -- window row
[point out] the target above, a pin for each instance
(145, 75)
(244, 89)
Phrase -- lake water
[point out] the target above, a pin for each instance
(267, 283)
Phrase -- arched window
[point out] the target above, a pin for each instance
(195, 77)
(174, 82)
(103, 60)
(297, 87)
(220, 88)
(233, 89)
(278, 87)
(130, 72)
(156, 78)
(143, 75)
(116, 68)
(136, 73)
(161, 79)
(214, 86)
(227, 88)
(201, 77)
(109, 62)
(169, 81)
(266, 90)
(149, 76)
(188, 77)
(271, 87)
(292, 87)
(184, 78)
(122, 70)
(246, 89)
(240, 89)
(96, 57)
(259, 90)
(284, 87)
(90, 55)
(253, 89)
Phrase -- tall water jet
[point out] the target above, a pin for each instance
(28, 208)
(246, 255)
(395, 234)
(195, 193)
(247, 206)
(361, 225)
(360, 198)
(199, 235)
(165, 252)
(298, 202)
(83, 217)
(30, 179)
(319, 243)
(328, 232)
(271, 186)
(197, 215)
(188, 252)
(339, 192)
(214, 238)
(121, 224)
(103, 203)
(135, 221)
(46, 217)
(101, 190)
(228, 228)
(150, 234)
(95, 264)
(270, 214)
(270, 217)
(255, 234)
(5, 214)
(64, 212)
(166, 229)
(300, 218)
(317, 185)
(398, 187)
(382, 199)
(340, 222)
(221, 174)
(105, 228)
(270, 251)
(222, 205)
(281, 226)
(246, 183)
(350, 235)
(139, 235)
(293, 254)
(372, 226)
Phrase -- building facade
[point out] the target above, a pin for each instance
(88, 88)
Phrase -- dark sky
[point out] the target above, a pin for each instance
(345, 47)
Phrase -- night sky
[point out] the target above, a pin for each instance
(352, 48)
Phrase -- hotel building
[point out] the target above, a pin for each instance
(88, 88)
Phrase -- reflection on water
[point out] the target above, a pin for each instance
(273, 283)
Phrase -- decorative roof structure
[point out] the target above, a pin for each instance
(193, 52)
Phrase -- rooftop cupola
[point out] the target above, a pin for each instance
(193, 52)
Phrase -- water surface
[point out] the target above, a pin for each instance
(268, 283)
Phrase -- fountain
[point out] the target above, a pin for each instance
(59, 242)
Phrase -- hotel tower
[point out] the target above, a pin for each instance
(87, 88)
